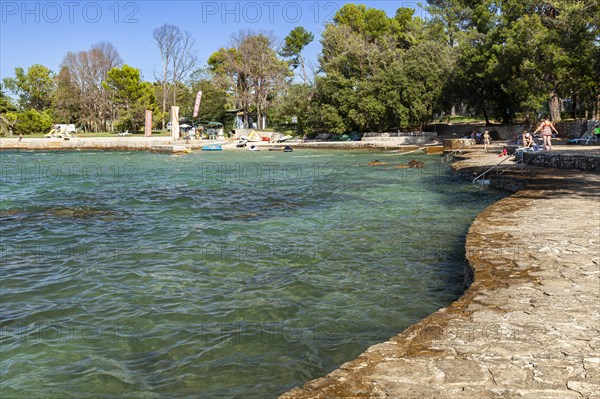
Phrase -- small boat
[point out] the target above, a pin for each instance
(287, 148)
(253, 148)
(212, 147)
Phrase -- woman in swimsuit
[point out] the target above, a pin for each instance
(486, 140)
(546, 127)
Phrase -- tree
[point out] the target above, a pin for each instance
(295, 42)
(215, 100)
(130, 96)
(518, 54)
(87, 71)
(424, 70)
(177, 60)
(380, 73)
(8, 120)
(67, 106)
(32, 121)
(328, 118)
(572, 33)
(252, 72)
(451, 16)
(266, 73)
(231, 74)
(295, 102)
(35, 88)
(8, 116)
(6, 103)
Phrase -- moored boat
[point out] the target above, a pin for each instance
(212, 147)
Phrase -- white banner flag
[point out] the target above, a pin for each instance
(175, 123)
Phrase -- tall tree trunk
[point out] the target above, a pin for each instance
(487, 118)
(453, 110)
(506, 116)
(9, 125)
(554, 106)
(258, 116)
(574, 111)
(303, 70)
(164, 107)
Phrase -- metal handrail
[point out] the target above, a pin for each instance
(496, 166)
(454, 152)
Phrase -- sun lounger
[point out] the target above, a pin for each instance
(585, 139)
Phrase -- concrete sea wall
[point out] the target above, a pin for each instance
(564, 160)
(88, 143)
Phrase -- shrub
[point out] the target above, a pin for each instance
(33, 121)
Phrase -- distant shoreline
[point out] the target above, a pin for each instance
(147, 144)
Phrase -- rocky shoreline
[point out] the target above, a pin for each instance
(529, 324)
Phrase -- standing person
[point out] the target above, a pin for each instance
(597, 132)
(486, 140)
(20, 136)
(546, 127)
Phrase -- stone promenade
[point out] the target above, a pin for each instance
(528, 326)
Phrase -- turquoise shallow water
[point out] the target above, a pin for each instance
(216, 275)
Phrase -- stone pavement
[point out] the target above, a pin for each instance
(528, 326)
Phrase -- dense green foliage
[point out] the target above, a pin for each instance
(35, 87)
(295, 42)
(380, 73)
(130, 96)
(514, 55)
(32, 121)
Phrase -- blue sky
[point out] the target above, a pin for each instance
(42, 32)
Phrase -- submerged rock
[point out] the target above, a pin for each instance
(372, 163)
(411, 164)
(82, 213)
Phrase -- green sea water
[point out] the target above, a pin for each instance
(216, 275)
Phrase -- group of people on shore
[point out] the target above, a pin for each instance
(546, 127)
